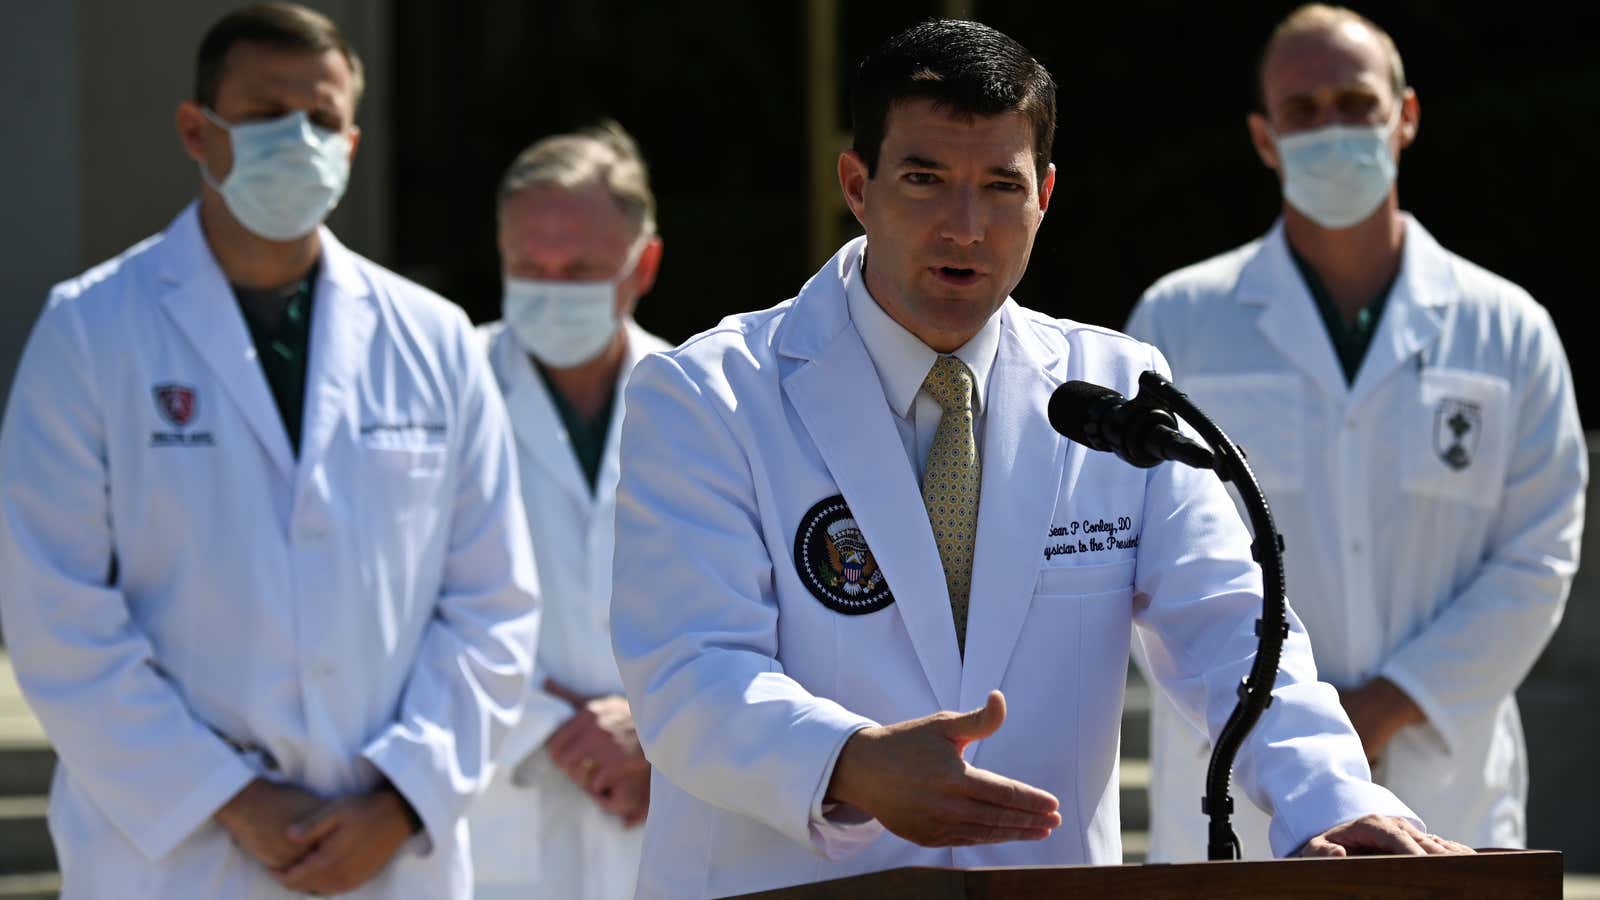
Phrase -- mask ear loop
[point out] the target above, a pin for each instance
(631, 261)
(1394, 120)
(205, 173)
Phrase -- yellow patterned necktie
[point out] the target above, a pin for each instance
(950, 483)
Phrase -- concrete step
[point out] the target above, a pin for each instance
(1135, 847)
(1136, 719)
(27, 858)
(30, 886)
(17, 724)
(25, 769)
(1135, 794)
(24, 837)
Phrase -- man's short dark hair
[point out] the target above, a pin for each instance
(282, 26)
(966, 69)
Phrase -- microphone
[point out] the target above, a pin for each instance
(1141, 434)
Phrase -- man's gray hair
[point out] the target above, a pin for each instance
(602, 154)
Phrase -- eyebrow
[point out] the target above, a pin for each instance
(912, 161)
(1340, 90)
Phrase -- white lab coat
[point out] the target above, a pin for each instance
(744, 686)
(174, 575)
(547, 838)
(1447, 581)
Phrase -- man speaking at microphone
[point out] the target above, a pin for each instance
(843, 518)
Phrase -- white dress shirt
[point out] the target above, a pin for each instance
(903, 361)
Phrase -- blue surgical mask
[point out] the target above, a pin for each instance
(565, 323)
(1339, 175)
(287, 174)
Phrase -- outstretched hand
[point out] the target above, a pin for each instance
(910, 776)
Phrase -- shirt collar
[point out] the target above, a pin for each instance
(901, 358)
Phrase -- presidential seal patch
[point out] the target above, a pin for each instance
(835, 562)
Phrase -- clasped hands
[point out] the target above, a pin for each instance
(598, 750)
(911, 777)
(313, 844)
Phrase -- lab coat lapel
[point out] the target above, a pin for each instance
(840, 399)
(1290, 320)
(201, 304)
(343, 319)
(1022, 465)
(1410, 323)
(538, 426)
(640, 343)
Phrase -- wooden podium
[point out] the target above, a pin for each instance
(1494, 874)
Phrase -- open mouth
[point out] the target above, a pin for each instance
(956, 275)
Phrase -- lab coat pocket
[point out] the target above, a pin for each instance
(414, 462)
(1457, 435)
(411, 473)
(1266, 414)
(1086, 581)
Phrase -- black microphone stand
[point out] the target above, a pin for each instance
(1255, 692)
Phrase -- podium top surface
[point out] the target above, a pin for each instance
(1500, 874)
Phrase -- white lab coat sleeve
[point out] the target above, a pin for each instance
(1143, 322)
(90, 674)
(542, 714)
(694, 623)
(1515, 600)
(467, 686)
(1197, 598)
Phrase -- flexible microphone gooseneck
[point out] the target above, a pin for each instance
(1143, 431)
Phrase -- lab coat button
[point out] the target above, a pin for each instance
(1350, 424)
(324, 669)
(1355, 548)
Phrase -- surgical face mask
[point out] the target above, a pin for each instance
(287, 174)
(564, 323)
(1339, 175)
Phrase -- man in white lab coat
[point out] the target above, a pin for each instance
(1411, 418)
(267, 579)
(807, 581)
(578, 248)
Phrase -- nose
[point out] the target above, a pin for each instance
(963, 220)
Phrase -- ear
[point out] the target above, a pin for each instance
(355, 141)
(645, 272)
(643, 277)
(853, 179)
(1261, 138)
(1410, 117)
(191, 123)
(1047, 188)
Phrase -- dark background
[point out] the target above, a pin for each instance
(1155, 169)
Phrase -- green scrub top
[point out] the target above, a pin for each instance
(1350, 339)
(588, 438)
(279, 320)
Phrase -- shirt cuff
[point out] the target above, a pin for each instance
(839, 830)
(1350, 800)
